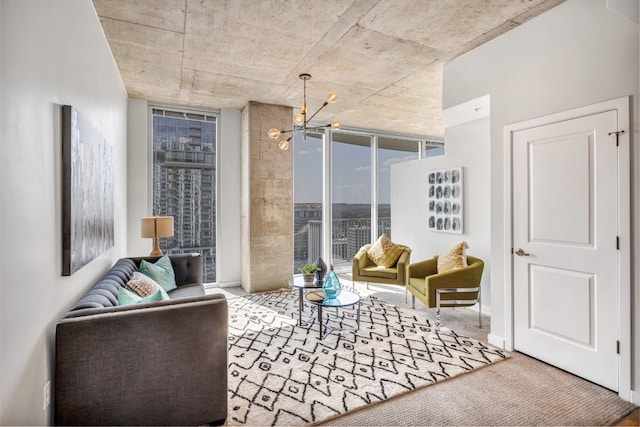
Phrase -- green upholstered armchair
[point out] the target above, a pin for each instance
(365, 270)
(456, 288)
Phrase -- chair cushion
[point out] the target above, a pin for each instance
(379, 272)
(384, 252)
(453, 259)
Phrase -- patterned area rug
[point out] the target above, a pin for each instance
(282, 374)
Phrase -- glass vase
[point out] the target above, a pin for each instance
(331, 286)
(322, 266)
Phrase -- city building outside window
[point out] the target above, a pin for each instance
(307, 199)
(184, 181)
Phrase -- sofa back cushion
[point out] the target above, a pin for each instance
(105, 292)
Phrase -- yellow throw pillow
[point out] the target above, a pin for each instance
(384, 252)
(453, 259)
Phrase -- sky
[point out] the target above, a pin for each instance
(351, 171)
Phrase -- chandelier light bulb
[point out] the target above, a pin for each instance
(284, 145)
(274, 133)
(302, 119)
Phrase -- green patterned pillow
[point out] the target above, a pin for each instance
(161, 272)
(126, 297)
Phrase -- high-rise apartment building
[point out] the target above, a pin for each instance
(184, 182)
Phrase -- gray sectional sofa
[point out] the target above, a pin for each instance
(159, 363)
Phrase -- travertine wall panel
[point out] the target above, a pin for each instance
(267, 200)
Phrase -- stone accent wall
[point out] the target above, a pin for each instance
(267, 200)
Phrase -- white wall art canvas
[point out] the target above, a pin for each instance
(87, 193)
(445, 210)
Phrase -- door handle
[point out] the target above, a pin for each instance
(520, 252)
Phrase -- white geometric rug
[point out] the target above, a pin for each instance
(282, 374)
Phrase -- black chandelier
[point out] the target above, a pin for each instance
(300, 120)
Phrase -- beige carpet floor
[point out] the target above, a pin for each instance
(521, 391)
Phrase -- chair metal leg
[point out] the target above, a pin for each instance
(455, 302)
(405, 294)
(413, 301)
(479, 308)
(367, 285)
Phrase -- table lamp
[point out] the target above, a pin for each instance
(154, 227)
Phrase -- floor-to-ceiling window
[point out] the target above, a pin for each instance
(307, 198)
(350, 195)
(184, 181)
(353, 183)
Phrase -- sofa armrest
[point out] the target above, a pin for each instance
(154, 365)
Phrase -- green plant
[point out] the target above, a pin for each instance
(308, 269)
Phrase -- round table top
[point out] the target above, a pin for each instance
(298, 282)
(346, 298)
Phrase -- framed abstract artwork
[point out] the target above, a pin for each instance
(445, 210)
(87, 192)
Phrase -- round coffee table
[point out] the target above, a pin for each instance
(345, 299)
(299, 283)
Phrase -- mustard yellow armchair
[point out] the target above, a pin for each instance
(365, 270)
(456, 288)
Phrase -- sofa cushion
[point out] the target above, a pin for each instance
(143, 285)
(161, 272)
(187, 291)
(453, 259)
(384, 252)
(127, 297)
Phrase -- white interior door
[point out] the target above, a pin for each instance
(565, 261)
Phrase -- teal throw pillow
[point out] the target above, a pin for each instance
(161, 272)
(126, 297)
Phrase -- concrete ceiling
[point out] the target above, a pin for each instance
(384, 58)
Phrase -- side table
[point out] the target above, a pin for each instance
(299, 283)
(345, 299)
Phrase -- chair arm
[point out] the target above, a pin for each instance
(403, 265)
(467, 277)
(424, 268)
(360, 259)
(155, 365)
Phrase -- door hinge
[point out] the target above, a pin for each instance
(616, 133)
(618, 242)
(617, 347)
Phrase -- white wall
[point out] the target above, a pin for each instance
(228, 189)
(53, 53)
(576, 54)
(467, 146)
(229, 241)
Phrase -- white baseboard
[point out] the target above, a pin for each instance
(635, 397)
(485, 310)
(496, 341)
(222, 284)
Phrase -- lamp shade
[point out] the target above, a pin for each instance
(156, 226)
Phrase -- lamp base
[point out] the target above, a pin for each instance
(156, 248)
